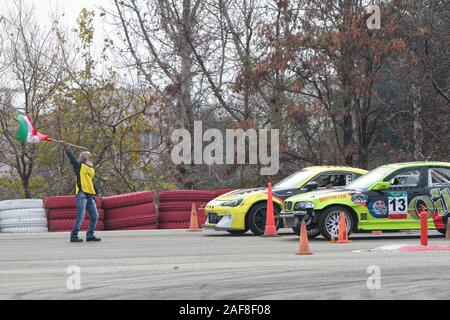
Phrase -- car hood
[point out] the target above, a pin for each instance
(240, 194)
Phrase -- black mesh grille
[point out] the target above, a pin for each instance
(214, 218)
(288, 205)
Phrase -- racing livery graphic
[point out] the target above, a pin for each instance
(360, 199)
(387, 198)
(378, 209)
(245, 209)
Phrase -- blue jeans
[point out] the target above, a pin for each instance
(85, 202)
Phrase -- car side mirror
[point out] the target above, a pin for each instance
(381, 186)
(310, 186)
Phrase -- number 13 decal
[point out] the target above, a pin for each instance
(398, 203)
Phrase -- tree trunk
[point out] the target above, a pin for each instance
(277, 94)
(346, 64)
(418, 130)
(26, 187)
(348, 136)
(185, 87)
(364, 139)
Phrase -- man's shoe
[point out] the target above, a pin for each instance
(93, 239)
(76, 239)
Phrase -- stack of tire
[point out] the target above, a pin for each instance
(131, 211)
(175, 207)
(22, 216)
(62, 212)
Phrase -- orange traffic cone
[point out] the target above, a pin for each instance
(201, 213)
(193, 226)
(343, 236)
(270, 230)
(303, 247)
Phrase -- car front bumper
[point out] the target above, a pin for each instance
(225, 218)
(290, 217)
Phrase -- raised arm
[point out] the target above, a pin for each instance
(75, 163)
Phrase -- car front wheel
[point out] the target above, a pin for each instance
(312, 229)
(329, 222)
(256, 218)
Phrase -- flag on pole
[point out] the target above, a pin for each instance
(26, 132)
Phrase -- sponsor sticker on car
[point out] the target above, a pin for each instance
(360, 199)
(398, 205)
(378, 208)
(334, 197)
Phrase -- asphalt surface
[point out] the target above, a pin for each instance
(175, 264)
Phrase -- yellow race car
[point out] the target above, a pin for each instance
(245, 209)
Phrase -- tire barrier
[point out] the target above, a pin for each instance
(65, 225)
(21, 204)
(57, 214)
(186, 195)
(179, 206)
(174, 217)
(67, 202)
(127, 200)
(175, 207)
(23, 216)
(138, 210)
(143, 227)
(131, 211)
(131, 221)
(174, 225)
(62, 212)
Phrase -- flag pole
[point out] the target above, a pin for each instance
(70, 144)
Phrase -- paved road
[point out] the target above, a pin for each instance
(175, 264)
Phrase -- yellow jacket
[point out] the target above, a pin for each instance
(84, 176)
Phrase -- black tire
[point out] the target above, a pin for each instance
(237, 232)
(328, 218)
(312, 233)
(255, 219)
(443, 231)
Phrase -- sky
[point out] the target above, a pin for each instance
(71, 9)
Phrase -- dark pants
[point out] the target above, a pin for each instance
(85, 202)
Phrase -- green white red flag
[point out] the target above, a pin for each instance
(26, 132)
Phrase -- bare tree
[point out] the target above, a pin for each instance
(425, 66)
(33, 76)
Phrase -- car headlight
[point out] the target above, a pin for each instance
(304, 205)
(232, 203)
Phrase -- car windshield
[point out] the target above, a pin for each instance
(367, 180)
(291, 182)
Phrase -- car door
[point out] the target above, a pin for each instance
(391, 209)
(438, 194)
